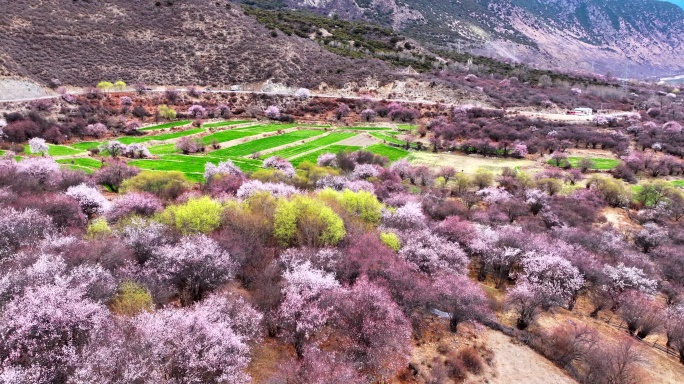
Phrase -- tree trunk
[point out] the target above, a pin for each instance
(642, 334)
(453, 324)
(631, 328)
(595, 312)
(299, 346)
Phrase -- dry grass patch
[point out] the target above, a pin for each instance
(470, 164)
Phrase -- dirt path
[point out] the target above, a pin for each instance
(517, 363)
(360, 140)
(565, 118)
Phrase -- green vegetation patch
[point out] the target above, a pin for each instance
(86, 145)
(365, 128)
(388, 138)
(310, 146)
(239, 133)
(265, 143)
(58, 150)
(313, 156)
(191, 166)
(407, 127)
(86, 162)
(162, 137)
(392, 153)
(163, 149)
(225, 123)
(166, 126)
(600, 163)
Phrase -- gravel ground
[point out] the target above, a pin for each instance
(14, 88)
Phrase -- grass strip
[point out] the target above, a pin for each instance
(313, 156)
(392, 153)
(166, 125)
(321, 142)
(265, 143)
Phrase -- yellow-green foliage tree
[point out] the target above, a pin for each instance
(308, 174)
(105, 85)
(252, 218)
(120, 85)
(131, 299)
(166, 112)
(200, 215)
(306, 221)
(391, 240)
(166, 185)
(362, 204)
(616, 192)
(98, 229)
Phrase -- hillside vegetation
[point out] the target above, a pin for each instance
(196, 42)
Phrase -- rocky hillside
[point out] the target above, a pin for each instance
(161, 42)
(633, 37)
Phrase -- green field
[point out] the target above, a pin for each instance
(194, 165)
(392, 153)
(58, 150)
(600, 163)
(166, 126)
(86, 145)
(191, 165)
(265, 143)
(365, 128)
(388, 138)
(313, 156)
(407, 127)
(311, 145)
(82, 161)
(225, 123)
(162, 137)
(163, 149)
(168, 159)
(239, 133)
(85, 164)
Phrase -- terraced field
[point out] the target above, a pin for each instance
(167, 157)
(366, 129)
(392, 153)
(59, 150)
(600, 163)
(163, 149)
(407, 127)
(387, 138)
(166, 126)
(225, 123)
(86, 145)
(313, 156)
(86, 164)
(192, 166)
(311, 145)
(239, 133)
(265, 143)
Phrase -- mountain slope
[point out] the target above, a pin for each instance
(610, 35)
(161, 42)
